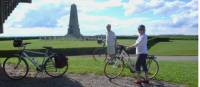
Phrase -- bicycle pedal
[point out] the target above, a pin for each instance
(38, 69)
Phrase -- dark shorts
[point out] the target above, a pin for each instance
(141, 63)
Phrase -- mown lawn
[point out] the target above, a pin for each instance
(179, 72)
(38, 44)
(176, 48)
(172, 48)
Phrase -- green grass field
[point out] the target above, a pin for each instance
(176, 48)
(183, 72)
(38, 44)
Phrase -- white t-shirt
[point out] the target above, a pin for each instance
(110, 38)
(141, 44)
(110, 42)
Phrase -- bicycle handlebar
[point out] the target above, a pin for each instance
(121, 47)
(24, 44)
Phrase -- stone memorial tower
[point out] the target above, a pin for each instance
(74, 30)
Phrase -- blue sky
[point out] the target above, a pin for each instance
(51, 17)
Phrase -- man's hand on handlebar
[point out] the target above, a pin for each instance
(129, 47)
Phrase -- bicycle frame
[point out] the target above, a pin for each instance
(25, 55)
(125, 57)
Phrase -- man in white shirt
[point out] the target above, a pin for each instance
(141, 52)
(110, 41)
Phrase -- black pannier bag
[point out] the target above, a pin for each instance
(60, 61)
(17, 43)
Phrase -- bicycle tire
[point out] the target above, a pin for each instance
(120, 71)
(6, 62)
(153, 74)
(98, 53)
(62, 70)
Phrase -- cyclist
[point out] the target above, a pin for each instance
(110, 41)
(141, 52)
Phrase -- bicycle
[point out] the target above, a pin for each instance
(100, 52)
(17, 67)
(114, 66)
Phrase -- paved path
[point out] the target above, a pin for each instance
(76, 80)
(178, 58)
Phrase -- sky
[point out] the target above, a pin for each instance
(51, 17)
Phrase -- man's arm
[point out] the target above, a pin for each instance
(137, 42)
(115, 39)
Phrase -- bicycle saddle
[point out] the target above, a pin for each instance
(46, 47)
(151, 57)
(121, 47)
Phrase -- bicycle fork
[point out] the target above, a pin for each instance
(19, 61)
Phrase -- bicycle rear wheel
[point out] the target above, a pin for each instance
(52, 70)
(15, 68)
(153, 68)
(113, 68)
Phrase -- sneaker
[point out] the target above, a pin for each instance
(145, 81)
(137, 81)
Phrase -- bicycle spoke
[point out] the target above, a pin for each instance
(15, 68)
(52, 70)
(113, 68)
(152, 68)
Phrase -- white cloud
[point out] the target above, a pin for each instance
(170, 7)
(91, 25)
(162, 7)
(133, 6)
(91, 5)
(11, 32)
(176, 10)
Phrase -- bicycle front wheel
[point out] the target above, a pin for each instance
(15, 68)
(113, 68)
(52, 70)
(99, 53)
(153, 68)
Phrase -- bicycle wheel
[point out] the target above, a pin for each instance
(15, 68)
(153, 68)
(52, 70)
(99, 53)
(113, 68)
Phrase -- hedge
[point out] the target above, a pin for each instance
(66, 51)
(80, 51)
(155, 40)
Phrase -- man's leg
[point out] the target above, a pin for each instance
(138, 67)
(111, 58)
(144, 65)
(111, 51)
